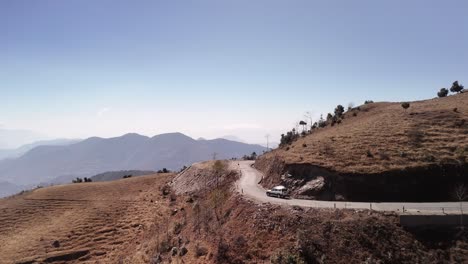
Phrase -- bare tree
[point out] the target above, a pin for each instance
(461, 194)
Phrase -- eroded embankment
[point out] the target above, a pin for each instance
(425, 184)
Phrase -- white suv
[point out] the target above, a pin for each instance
(278, 191)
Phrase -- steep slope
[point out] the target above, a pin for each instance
(380, 151)
(129, 152)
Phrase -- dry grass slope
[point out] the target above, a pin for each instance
(429, 132)
(80, 223)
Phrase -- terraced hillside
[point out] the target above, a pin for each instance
(80, 223)
(380, 151)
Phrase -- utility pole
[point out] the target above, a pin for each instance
(214, 155)
(267, 138)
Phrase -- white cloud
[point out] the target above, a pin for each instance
(102, 111)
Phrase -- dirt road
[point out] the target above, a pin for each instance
(249, 187)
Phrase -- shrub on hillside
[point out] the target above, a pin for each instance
(290, 137)
(164, 170)
(252, 156)
(339, 110)
(322, 123)
(443, 92)
(200, 251)
(77, 180)
(405, 105)
(456, 87)
(368, 102)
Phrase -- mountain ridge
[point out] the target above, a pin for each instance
(128, 152)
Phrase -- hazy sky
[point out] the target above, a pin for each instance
(212, 68)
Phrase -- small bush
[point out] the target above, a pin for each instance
(177, 228)
(223, 252)
(165, 245)
(77, 180)
(405, 105)
(456, 88)
(455, 110)
(368, 102)
(200, 251)
(304, 145)
(443, 92)
(173, 197)
(369, 154)
(166, 189)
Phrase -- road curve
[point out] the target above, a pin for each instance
(248, 186)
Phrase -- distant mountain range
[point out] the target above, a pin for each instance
(58, 164)
(16, 152)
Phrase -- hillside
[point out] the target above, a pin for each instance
(129, 152)
(116, 175)
(76, 223)
(379, 144)
(142, 220)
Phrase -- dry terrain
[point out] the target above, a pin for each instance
(381, 147)
(428, 132)
(143, 220)
(85, 222)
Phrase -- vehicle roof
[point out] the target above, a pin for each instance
(279, 187)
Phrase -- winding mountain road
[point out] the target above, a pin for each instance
(249, 187)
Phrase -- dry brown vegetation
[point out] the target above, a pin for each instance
(142, 220)
(379, 137)
(230, 229)
(82, 223)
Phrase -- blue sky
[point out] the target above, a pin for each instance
(211, 68)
